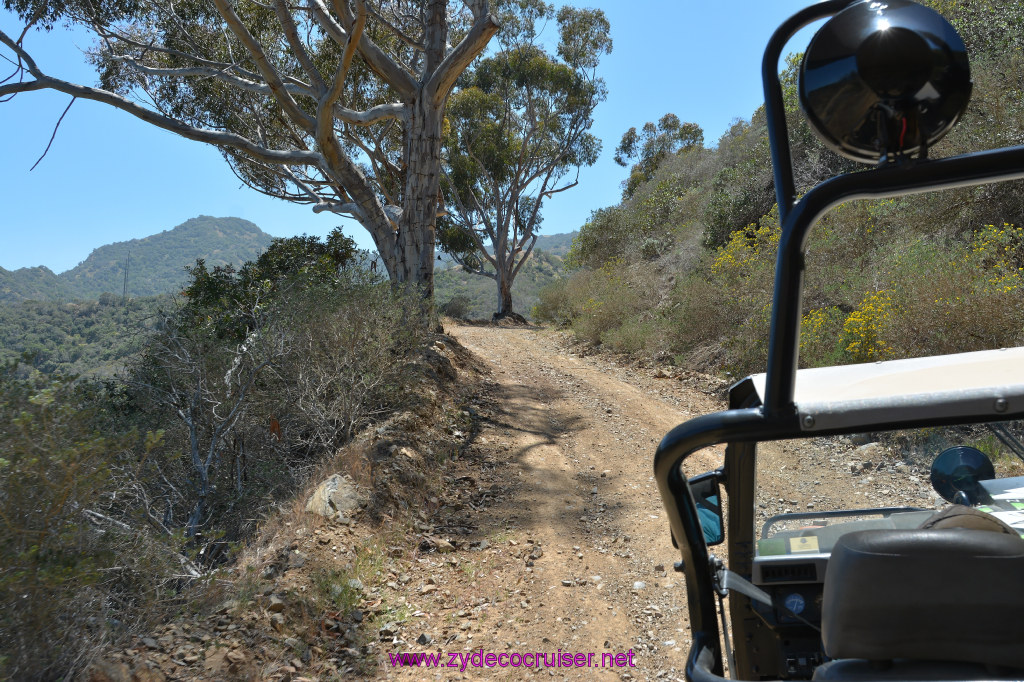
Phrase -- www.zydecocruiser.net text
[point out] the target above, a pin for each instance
(515, 659)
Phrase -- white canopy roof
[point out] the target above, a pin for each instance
(971, 386)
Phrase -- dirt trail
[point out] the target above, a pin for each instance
(587, 564)
(572, 551)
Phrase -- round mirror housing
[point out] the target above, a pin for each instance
(956, 472)
(884, 80)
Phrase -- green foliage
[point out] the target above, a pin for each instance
(259, 373)
(465, 295)
(233, 300)
(47, 13)
(238, 391)
(31, 284)
(596, 304)
(66, 567)
(986, 26)
(919, 275)
(652, 146)
(93, 338)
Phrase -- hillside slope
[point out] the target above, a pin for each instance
(157, 263)
(683, 266)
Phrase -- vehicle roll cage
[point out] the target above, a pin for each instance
(774, 415)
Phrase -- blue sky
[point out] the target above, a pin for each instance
(109, 177)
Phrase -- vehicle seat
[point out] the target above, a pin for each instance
(896, 599)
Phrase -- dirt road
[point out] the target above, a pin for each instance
(568, 548)
(579, 558)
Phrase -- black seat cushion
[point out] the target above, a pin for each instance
(948, 595)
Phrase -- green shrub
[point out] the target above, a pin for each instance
(72, 574)
(456, 307)
(553, 304)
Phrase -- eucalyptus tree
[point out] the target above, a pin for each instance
(337, 104)
(518, 133)
(649, 147)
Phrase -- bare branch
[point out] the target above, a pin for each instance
(380, 63)
(215, 137)
(381, 112)
(24, 56)
(52, 137)
(449, 70)
(210, 72)
(291, 32)
(402, 35)
(15, 88)
(107, 34)
(350, 208)
(526, 257)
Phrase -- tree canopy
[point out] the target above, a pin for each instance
(652, 145)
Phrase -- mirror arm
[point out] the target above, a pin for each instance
(775, 108)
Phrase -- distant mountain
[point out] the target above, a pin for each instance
(157, 263)
(556, 244)
(36, 284)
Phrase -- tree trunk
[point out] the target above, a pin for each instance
(416, 228)
(504, 281)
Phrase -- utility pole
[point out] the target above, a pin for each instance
(124, 294)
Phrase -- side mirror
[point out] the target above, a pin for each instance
(708, 498)
(883, 80)
(956, 472)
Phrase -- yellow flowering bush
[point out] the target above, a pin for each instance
(755, 244)
(819, 333)
(864, 328)
(1000, 250)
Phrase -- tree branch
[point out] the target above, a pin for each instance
(349, 208)
(215, 137)
(210, 72)
(25, 86)
(266, 69)
(526, 256)
(52, 137)
(106, 34)
(291, 33)
(379, 63)
(449, 70)
(381, 112)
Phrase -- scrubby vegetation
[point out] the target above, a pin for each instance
(682, 269)
(116, 496)
(79, 337)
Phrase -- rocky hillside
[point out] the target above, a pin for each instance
(156, 263)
